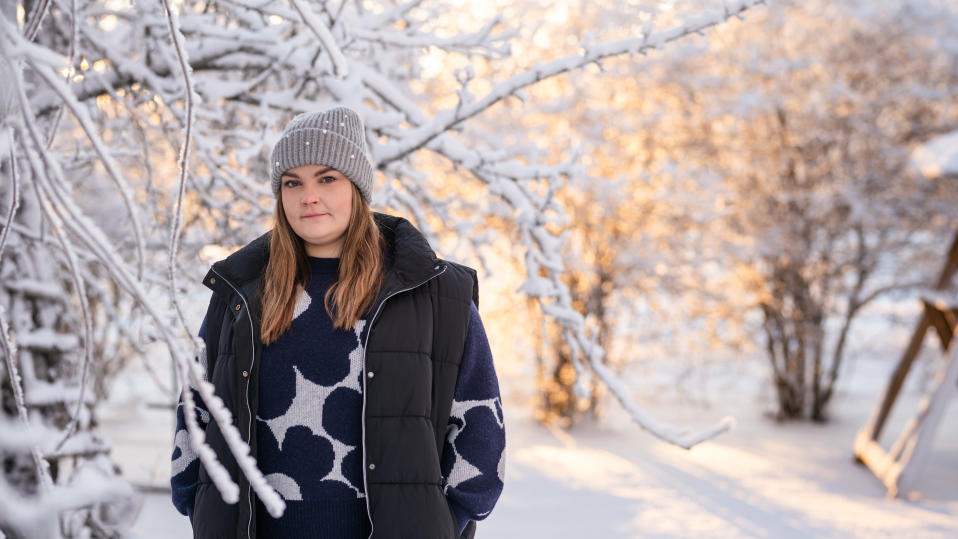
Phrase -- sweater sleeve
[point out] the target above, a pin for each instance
(473, 459)
(185, 467)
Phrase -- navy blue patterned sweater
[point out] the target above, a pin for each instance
(309, 426)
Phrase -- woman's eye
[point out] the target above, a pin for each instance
(290, 183)
(328, 179)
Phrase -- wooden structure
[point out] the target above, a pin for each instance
(899, 467)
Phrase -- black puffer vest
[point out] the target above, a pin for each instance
(412, 352)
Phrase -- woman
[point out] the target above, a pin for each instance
(353, 360)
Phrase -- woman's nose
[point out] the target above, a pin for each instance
(310, 195)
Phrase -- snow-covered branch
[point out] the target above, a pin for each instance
(190, 373)
(62, 212)
(325, 37)
(482, 42)
(445, 120)
(30, 516)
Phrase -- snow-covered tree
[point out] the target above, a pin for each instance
(757, 174)
(791, 136)
(138, 133)
(838, 216)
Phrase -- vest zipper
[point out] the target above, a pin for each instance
(369, 330)
(249, 412)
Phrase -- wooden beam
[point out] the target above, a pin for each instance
(943, 321)
(876, 421)
(885, 468)
(950, 267)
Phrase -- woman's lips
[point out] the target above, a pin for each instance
(314, 215)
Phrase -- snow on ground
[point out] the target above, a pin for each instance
(761, 479)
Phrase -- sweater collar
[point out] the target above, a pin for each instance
(323, 266)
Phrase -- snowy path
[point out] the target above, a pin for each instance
(760, 480)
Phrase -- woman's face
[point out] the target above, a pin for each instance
(318, 201)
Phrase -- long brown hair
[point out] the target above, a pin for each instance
(360, 272)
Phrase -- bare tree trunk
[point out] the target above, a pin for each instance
(794, 332)
(559, 400)
(788, 378)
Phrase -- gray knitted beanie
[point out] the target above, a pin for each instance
(334, 137)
